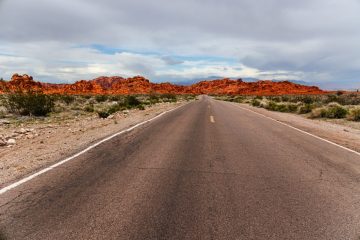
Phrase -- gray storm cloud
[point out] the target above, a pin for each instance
(319, 38)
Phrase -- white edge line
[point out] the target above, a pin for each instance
(302, 131)
(26, 179)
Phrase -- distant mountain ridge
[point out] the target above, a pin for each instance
(141, 85)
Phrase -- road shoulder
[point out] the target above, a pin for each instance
(343, 135)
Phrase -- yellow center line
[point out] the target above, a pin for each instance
(212, 120)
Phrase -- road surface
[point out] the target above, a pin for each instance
(208, 170)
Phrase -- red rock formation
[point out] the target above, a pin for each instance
(23, 83)
(141, 85)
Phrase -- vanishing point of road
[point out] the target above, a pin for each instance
(207, 170)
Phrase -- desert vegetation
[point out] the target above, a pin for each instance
(337, 105)
(30, 104)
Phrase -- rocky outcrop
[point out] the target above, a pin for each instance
(141, 85)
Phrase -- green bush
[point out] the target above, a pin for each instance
(336, 111)
(292, 107)
(67, 99)
(103, 114)
(355, 114)
(153, 98)
(331, 111)
(307, 100)
(307, 108)
(275, 99)
(89, 108)
(115, 108)
(285, 98)
(86, 96)
(281, 107)
(29, 103)
(131, 101)
(331, 98)
(271, 106)
(141, 107)
(169, 97)
(255, 102)
(101, 98)
(239, 99)
(116, 98)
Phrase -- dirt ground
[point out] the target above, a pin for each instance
(39, 144)
(345, 133)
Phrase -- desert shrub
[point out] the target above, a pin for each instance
(101, 98)
(292, 107)
(141, 107)
(239, 99)
(103, 114)
(169, 97)
(318, 112)
(336, 112)
(116, 98)
(349, 99)
(331, 98)
(115, 108)
(29, 103)
(285, 98)
(271, 106)
(281, 108)
(275, 99)
(86, 96)
(131, 101)
(307, 108)
(89, 108)
(333, 110)
(153, 98)
(67, 99)
(307, 100)
(255, 103)
(191, 97)
(355, 114)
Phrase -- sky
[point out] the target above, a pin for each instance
(317, 41)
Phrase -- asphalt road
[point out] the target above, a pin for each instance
(208, 170)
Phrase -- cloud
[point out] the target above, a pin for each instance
(318, 40)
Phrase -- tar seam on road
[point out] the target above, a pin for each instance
(26, 179)
(302, 131)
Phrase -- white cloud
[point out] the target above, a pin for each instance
(317, 40)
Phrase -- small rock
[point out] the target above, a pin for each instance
(3, 142)
(11, 141)
(30, 136)
(4, 121)
(21, 131)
